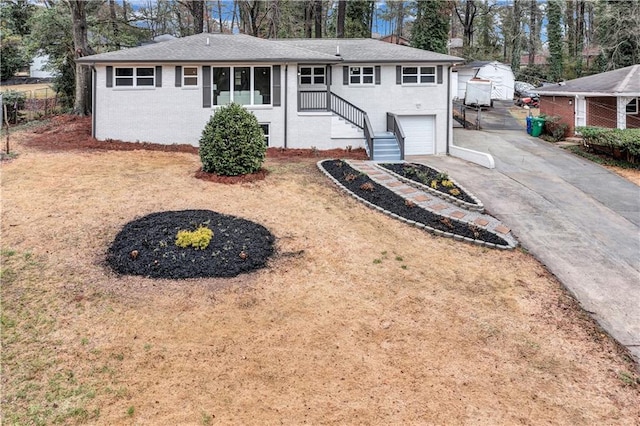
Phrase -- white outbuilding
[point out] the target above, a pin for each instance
(500, 74)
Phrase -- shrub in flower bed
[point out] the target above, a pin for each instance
(431, 178)
(361, 185)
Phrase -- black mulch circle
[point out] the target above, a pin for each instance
(380, 196)
(146, 246)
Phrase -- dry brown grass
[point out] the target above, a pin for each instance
(36, 90)
(359, 319)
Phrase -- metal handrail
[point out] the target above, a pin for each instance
(394, 126)
(348, 111)
(368, 134)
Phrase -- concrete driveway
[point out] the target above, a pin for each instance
(576, 217)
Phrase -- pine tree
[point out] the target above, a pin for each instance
(554, 31)
(430, 29)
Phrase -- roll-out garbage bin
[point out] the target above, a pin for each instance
(537, 124)
(529, 124)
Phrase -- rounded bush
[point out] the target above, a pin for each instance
(232, 142)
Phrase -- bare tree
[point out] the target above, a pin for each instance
(342, 12)
(82, 104)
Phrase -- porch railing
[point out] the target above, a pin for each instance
(393, 126)
(321, 100)
(313, 100)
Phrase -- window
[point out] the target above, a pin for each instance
(251, 85)
(418, 75)
(312, 75)
(135, 77)
(360, 75)
(632, 107)
(190, 76)
(265, 130)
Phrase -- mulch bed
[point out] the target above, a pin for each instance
(146, 246)
(361, 185)
(425, 175)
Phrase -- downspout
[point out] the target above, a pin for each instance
(286, 96)
(93, 100)
(449, 112)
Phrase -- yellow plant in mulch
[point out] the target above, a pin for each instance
(198, 239)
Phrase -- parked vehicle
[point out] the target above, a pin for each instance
(532, 100)
(521, 87)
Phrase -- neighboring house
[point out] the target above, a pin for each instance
(538, 60)
(36, 70)
(500, 74)
(609, 99)
(322, 93)
(396, 39)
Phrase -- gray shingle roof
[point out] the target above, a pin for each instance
(212, 48)
(623, 81)
(368, 50)
(244, 48)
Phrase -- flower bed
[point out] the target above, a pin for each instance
(360, 185)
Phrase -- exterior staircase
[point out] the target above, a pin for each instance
(385, 147)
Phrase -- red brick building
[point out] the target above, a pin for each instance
(610, 99)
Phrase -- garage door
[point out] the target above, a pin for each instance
(419, 134)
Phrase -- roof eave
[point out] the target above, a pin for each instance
(90, 61)
(587, 94)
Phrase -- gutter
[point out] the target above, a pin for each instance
(286, 96)
(94, 84)
(449, 109)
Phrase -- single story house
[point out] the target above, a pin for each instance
(500, 74)
(322, 93)
(609, 99)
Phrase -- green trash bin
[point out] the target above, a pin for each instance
(537, 125)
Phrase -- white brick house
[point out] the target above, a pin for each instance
(323, 93)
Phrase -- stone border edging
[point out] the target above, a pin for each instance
(478, 207)
(434, 231)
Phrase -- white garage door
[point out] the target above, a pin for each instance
(419, 134)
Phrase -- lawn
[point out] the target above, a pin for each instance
(357, 319)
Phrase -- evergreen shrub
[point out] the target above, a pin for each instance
(232, 142)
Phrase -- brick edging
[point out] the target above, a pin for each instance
(434, 231)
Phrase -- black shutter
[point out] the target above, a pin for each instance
(206, 86)
(398, 74)
(329, 76)
(109, 76)
(345, 75)
(178, 76)
(439, 74)
(276, 101)
(158, 76)
(377, 73)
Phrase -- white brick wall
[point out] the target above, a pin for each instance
(175, 114)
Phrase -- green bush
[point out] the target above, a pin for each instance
(555, 128)
(626, 141)
(232, 142)
(14, 102)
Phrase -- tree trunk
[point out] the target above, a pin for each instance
(342, 11)
(114, 24)
(317, 18)
(82, 103)
(516, 47)
(533, 31)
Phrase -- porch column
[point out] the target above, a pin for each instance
(622, 102)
